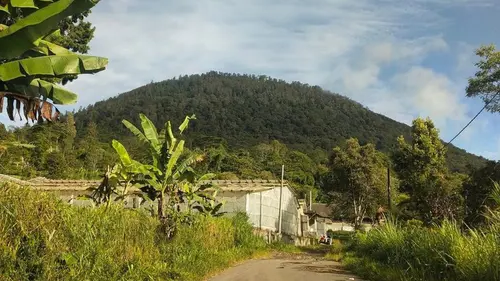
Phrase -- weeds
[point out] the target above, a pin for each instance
(410, 252)
(42, 238)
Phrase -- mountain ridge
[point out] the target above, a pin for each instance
(245, 110)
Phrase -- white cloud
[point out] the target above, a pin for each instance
(344, 45)
(289, 39)
(430, 94)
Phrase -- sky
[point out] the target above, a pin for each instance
(403, 59)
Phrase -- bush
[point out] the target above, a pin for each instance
(42, 238)
(418, 253)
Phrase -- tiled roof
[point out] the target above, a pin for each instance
(321, 210)
(76, 185)
(245, 185)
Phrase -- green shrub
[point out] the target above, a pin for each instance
(42, 238)
(418, 253)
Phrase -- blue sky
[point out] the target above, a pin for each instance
(403, 59)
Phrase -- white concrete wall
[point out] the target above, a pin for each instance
(233, 202)
(267, 215)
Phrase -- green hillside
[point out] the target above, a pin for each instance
(246, 110)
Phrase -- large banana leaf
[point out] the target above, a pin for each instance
(27, 32)
(37, 88)
(51, 66)
(150, 132)
(135, 131)
(185, 124)
(48, 48)
(179, 148)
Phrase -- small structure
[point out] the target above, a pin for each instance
(260, 199)
(321, 220)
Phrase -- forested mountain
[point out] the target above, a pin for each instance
(245, 110)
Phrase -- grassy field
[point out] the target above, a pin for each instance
(44, 239)
(409, 252)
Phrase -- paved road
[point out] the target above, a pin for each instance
(308, 269)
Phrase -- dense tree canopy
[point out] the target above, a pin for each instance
(421, 168)
(477, 190)
(245, 110)
(357, 184)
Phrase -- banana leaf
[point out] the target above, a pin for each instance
(23, 4)
(33, 108)
(39, 88)
(55, 66)
(48, 48)
(27, 32)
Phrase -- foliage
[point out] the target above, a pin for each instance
(76, 32)
(486, 83)
(198, 197)
(476, 191)
(397, 252)
(83, 158)
(245, 110)
(434, 192)
(168, 177)
(31, 57)
(42, 238)
(358, 180)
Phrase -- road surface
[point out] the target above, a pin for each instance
(276, 269)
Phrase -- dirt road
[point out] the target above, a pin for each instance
(276, 269)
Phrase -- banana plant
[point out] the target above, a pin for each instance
(198, 197)
(168, 170)
(31, 61)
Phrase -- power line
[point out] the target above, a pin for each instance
(474, 118)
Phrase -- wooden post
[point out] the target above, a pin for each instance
(281, 194)
(260, 212)
(310, 200)
(389, 188)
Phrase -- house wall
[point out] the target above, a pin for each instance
(233, 202)
(263, 210)
(335, 226)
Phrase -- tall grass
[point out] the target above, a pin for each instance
(408, 252)
(42, 238)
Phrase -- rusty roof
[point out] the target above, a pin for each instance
(41, 183)
(321, 210)
(246, 185)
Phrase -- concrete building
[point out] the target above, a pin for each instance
(260, 199)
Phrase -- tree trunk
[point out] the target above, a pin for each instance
(161, 206)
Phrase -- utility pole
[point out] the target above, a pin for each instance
(281, 195)
(310, 200)
(389, 202)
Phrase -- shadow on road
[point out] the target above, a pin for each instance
(322, 269)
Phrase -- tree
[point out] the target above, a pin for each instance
(476, 192)
(90, 151)
(486, 83)
(421, 168)
(357, 180)
(32, 62)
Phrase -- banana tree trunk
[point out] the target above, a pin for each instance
(161, 206)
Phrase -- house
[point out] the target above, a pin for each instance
(321, 220)
(260, 199)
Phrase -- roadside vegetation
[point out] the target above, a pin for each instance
(400, 251)
(443, 212)
(42, 238)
